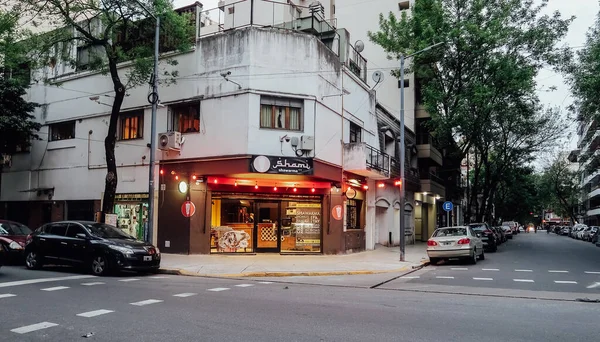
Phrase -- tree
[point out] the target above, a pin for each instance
(562, 188)
(583, 76)
(111, 32)
(17, 125)
(517, 195)
(480, 86)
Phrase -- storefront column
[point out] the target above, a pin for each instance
(370, 219)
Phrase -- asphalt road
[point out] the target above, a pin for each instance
(531, 262)
(60, 305)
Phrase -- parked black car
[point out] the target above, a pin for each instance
(1, 256)
(488, 236)
(100, 247)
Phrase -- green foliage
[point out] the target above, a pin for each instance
(479, 87)
(559, 188)
(517, 195)
(17, 125)
(583, 75)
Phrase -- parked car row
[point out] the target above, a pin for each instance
(100, 248)
(580, 232)
(468, 242)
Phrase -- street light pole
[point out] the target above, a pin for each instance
(153, 98)
(403, 150)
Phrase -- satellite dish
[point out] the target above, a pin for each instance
(378, 76)
(359, 46)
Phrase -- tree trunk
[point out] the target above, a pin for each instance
(110, 185)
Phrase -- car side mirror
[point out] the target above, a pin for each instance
(82, 236)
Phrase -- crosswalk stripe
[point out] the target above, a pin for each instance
(483, 278)
(411, 277)
(523, 270)
(7, 295)
(43, 280)
(93, 283)
(29, 328)
(565, 282)
(56, 288)
(184, 295)
(265, 282)
(524, 280)
(554, 271)
(158, 277)
(218, 289)
(244, 285)
(490, 269)
(94, 313)
(459, 269)
(128, 280)
(444, 277)
(591, 272)
(146, 302)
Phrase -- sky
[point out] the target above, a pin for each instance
(585, 12)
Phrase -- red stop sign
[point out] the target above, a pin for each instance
(188, 209)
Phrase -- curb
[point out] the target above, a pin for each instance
(174, 271)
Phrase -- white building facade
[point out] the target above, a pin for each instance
(270, 143)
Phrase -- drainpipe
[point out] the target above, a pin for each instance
(251, 12)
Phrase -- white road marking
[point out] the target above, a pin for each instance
(483, 278)
(158, 277)
(244, 285)
(524, 280)
(459, 269)
(146, 302)
(490, 269)
(411, 277)
(7, 295)
(523, 270)
(56, 288)
(565, 282)
(444, 277)
(128, 280)
(93, 283)
(554, 271)
(94, 313)
(588, 272)
(29, 328)
(593, 286)
(218, 289)
(184, 295)
(265, 282)
(43, 280)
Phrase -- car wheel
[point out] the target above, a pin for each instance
(33, 261)
(100, 265)
(482, 256)
(473, 258)
(433, 261)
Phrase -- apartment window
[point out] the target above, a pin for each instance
(231, 10)
(186, 117)
(281, 113)
(353, 214)
(403, 5)
(355, 133)
(62, 131)
(87, 55)
(132, 125)
(406, 83)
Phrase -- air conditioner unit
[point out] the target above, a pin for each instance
(307, 143)
(170, 141)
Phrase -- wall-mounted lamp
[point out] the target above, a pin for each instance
(183, 187)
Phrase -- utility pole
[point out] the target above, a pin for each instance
(403, 150)
(153, 98)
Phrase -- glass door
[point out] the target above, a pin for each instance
(267, 228)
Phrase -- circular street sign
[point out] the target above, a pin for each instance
(337, 212)
(448, 206)
(188, 209)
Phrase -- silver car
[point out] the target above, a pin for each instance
(455, 242)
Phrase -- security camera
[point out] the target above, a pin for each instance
(225, 74)
(287, 139)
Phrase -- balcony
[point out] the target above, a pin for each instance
(357, 64)
(594, 193)
(426, 149)
(421, 113)
(590, 178)
(366, 161)
(432, 184)
(593, 212)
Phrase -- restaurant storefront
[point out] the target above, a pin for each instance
(251, 204)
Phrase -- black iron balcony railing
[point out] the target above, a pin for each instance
(357, 64)
(431, 176)
(377, 160)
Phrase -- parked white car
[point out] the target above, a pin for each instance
(455, 242)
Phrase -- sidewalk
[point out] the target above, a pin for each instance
(380, 260)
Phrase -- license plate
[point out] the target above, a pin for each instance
(148, 258)
(447, 243)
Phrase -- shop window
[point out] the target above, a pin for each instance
(232, 226)
(186, 117)
(355, 133)
(301, 227)
(132, 214)
(280, 113)
(132, 125)
(62, 131)
(353, 208)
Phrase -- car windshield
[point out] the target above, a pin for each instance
(450, 232)
(107, 231)
(478, 227)
(14, 229)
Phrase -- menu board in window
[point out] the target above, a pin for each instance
(304, 232)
